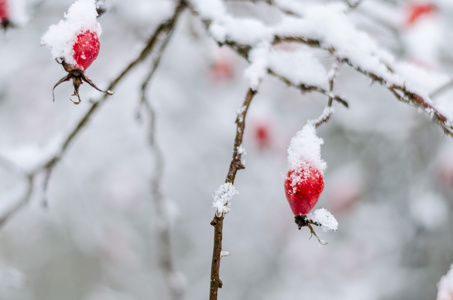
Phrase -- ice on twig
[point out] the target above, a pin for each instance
(324, 218)
(222, 198)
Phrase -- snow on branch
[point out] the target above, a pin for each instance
(222, 198)
(325, 27)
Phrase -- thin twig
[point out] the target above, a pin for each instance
(165, 257)
(328, 111)
(235, 166)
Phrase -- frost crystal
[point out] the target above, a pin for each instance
(323, 217)
(60, 38)
(306, 147)
(222, 198)
(445, 286)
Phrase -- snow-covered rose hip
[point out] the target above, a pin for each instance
(304, 180)
(303, 186)
(75, 44)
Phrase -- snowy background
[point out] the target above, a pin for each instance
(389, 176)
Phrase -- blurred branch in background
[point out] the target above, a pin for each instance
(46, 168)
(173, 279)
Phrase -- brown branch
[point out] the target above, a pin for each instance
(48, 166)
(235, 166)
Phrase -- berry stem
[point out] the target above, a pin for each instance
(217, 222)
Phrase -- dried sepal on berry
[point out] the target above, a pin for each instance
(78, 77)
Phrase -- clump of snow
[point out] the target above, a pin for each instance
(224, 253)
(222, 198)
(243, 31)
(305, 147)
(241, 150)
(420, 80)
(60, 38)
(445, 286)
(300, 67)
(258, 64)
(211, 9)
(324, 218)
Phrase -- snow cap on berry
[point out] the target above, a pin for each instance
(445, 286)
(60, 38)
(305, 147)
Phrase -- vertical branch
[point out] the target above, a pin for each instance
(173, 279)
(328, 111)
(217, 222)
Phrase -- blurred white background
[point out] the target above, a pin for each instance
(389, 179)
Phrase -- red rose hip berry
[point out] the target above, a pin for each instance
(418, 10)
(303, 186)
(4, 13)
(86, 49)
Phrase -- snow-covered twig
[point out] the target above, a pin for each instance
(328, 111)
(371, 62)
(235, 166)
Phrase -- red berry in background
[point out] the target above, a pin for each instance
(4, 14)
(222, 68)
(303, 186)
(262, 135)
(86, 49)
(418, 10)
